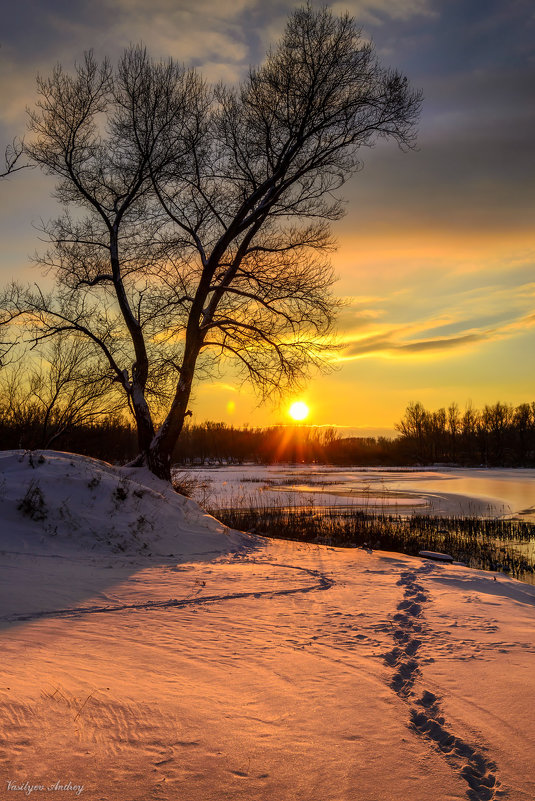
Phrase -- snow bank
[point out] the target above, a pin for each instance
(55, 502)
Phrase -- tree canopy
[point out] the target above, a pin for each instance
(195, 231)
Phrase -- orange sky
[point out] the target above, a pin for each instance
(437, 249)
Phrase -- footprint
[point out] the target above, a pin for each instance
(393, 657)
(428, 699)
(426, 717)
(412, 646)
(476, 770)
(410, 607)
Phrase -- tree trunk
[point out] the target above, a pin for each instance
(164, 441)
(144, 424)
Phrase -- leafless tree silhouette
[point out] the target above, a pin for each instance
(13, 158)
(201, 231)
(55, 391)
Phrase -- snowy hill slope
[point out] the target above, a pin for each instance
(52, 501)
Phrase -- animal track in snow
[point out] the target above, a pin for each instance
(323, 582)
(474, 767)
(426, 716)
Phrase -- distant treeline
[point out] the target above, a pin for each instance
(499, 435)
(111, 439)
(207, 443)
(216, 442)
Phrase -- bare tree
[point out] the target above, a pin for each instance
(66, 389)
(12, 163)
(12, 158)
(206, 233)
(52, 391)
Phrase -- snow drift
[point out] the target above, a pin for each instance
(51, 500)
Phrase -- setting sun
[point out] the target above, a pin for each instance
(298, 411)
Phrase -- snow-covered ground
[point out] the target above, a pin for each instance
(243, 668)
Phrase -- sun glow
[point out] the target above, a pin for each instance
(298, 411)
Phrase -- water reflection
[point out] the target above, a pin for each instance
(445, 492)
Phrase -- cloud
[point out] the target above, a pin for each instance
(441, 343)
(355, 316)
(211, 33)
(503, 312)
(376, 11)
(390, 346)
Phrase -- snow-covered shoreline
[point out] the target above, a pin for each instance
(243, 668)
(439, 490)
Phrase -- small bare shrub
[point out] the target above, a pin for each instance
(121, 492)
(33, 504)
(94, 482)
(191, 487)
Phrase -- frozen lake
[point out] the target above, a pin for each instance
(435, 491)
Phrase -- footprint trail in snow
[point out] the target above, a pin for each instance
(426, 715)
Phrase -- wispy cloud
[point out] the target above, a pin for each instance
(450, 330)
(376, 11)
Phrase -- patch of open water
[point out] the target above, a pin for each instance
(437, 492)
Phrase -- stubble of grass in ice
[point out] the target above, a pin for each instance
(489, 544)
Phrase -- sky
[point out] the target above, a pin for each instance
(436, 251)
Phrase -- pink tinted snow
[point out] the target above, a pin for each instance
(242, 668)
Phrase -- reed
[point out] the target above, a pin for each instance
(489, 544)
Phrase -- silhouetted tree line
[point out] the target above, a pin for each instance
(114, 440)
(110, 439)
(219, 443)
(499, 435)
